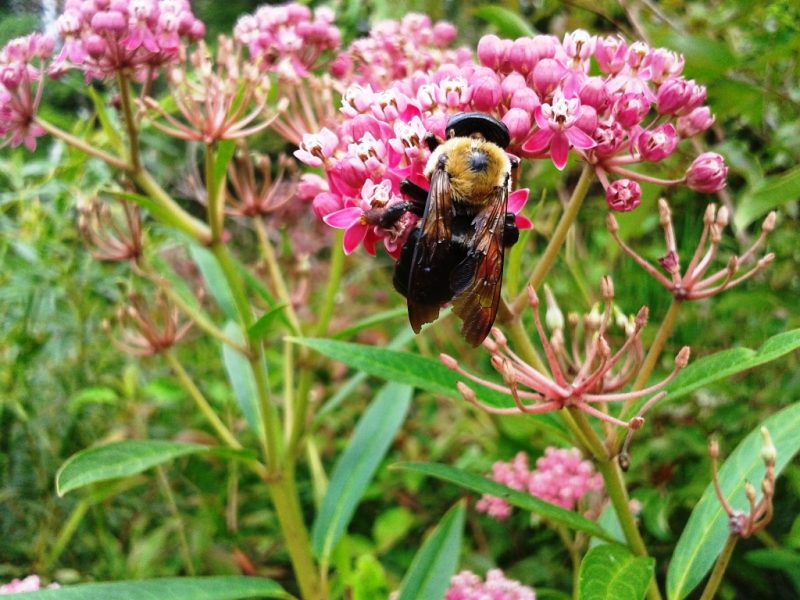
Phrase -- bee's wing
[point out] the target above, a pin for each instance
(476, 280)
(431, 264)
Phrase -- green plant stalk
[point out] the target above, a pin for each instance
(130, 121)
(200, 401)
(574, 556)
(303, 394)
(215, 208)
(281, 482)
(79, 144)
(719, 568)
(67, 531)
(176, 216)
(550, 255)
(183, 543)
(275, 274)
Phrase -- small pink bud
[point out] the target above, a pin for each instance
(310, 186)
(683, 357)
(526, 99)
(769, 222)
(641, 317)
(499, 337)
(523, 55)
(448, 361)
(95, 46)
(486, 93)
(443, 34)
(587, 119)
(518, 122)
(547, 75)
(610, 53)
(707, 173)
(697, 121)
(512, 83)
(594, 93)
(679, 96)
(623, 195)
(533, 299)
(325, 204)
(713, 448)
(490, 51)
(466, 392)
(631, 108)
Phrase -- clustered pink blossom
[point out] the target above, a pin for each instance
(469, 586)
(31, 583)
(288, 39)
(561, 477)
(21, 82)
(609, 103)
(105, 37)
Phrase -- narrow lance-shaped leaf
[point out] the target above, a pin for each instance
(611, 572)
(356, 466)
(120, 459)
(707, 529)
(241, 377)
(437, 559)
(404, 367)
(470, 481)
(215, 280)
(169, 588)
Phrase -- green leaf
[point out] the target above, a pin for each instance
(225, 150)
(264, 324)
(241, 377)
(215, 280)
(707, 529)
(357, 465)
(119, 459)
(521, 500)
(168, 588)
(437, 559)
(370, 322)
(611, 572)
(404, 367)
(110, 129)
(723, 364)
(508, 23)
(768, 194)
(155, 209)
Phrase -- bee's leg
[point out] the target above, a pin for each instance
(431, 141)
(392, 215)
(402, 269)
(515, 162)
(417, 195)
(510, 231)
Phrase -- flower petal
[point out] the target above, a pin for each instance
(559, 151)
(343, 219)
(539, 141)
(517, 200)
(523, 222)
(579, 138)
(353, 237)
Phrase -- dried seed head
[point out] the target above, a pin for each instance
(603, 349)
(593, 319)
(664, 214)
(448, 361)
(641, 317)
(723, 216)
(733, 266)
(607, 288)
(636, 423)
(553, 317)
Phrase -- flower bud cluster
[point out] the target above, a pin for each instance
(105, 37)
(21, 81)
(561, 477)
(288, 39)
(31, 583)
(466, 585)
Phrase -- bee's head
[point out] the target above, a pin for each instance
(475, 124)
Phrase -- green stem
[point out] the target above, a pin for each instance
(523, 345)
(548, 259)
(130, 122)
(183, 543)
(334, 281)
(276, 275)
(200, 401)
(574, 556)
(618, 494)
(216, 216)
(79, 144)
(719, 568)
(171, 213)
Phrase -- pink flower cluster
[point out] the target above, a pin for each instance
(104, 37)
(468, 586)
(21, 79)
(31, 583)
(396, 49)
(561, 477)
(288, 39)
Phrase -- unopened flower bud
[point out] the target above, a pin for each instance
(533, 298)
(499, 337)
(490, 345)
(768, 487)
(603, 349)
(682, 359)
(466, 392)
(766, 260)
(723, 217)
(623, 195)
(593, 319)
(607, 288)
(713, 449)
(769, 222)
(707, 174)
(636, 423)
(768, 452)
(697, 121)
(448, 361)
(733, 266)
(641, 317)
(554, 318)
(750, 492)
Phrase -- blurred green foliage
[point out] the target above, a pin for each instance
(62, 388)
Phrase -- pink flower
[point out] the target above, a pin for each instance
(657, 144)
(623, 195)
(31, 583)
(558, 130)
(707, 174)
(563, 479)
(317, 148)
(697, 121)
(514, 474)
(468, 586)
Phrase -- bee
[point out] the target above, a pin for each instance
(455, 253)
